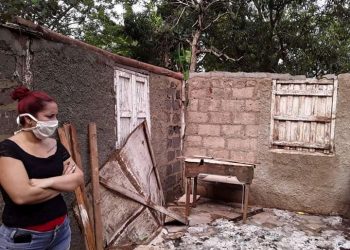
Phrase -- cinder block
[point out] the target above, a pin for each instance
(213, 142)
(193, 105)
(209, 105)
(201, 93)
(219, 153)
(220, 94)
(232, 130)
(248, 157)
(193, 140)
(199, 84)
(195, 151)
(176, 142)
(197, 117)
(243, 93)
(171, 155)
(232, 105)
(211, 130)
(191, 129)
(242, 144)
(220, 118)
(245, 118)
(251, 130)
(252, 105)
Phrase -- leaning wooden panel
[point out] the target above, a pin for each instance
(136, 161)
(115, 209)
(131, 170)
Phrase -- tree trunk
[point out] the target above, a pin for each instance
(194, 44)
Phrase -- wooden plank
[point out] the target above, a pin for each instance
(321, 119)
(75, 149)
(88, 232)
(188, 195)
(138, 198)
(136, 161)
(273, 111)
(295, 113)
(155, 166)
(334, 108)
(245, 206)
(306, 81)
(300, 112)
(95, 186)
(323, 93)
(289, 109)
(302, 144)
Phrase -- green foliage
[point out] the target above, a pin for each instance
(306, 37)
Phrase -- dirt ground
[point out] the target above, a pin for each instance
(270, 229)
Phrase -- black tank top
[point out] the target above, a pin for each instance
(35, 214)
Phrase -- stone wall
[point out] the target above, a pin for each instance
(228, 116)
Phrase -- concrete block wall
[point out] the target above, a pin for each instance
(229, 116)
(166, 109)
(221, 118)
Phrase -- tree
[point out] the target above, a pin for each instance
(64, 16)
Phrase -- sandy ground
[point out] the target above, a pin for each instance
(271, 229)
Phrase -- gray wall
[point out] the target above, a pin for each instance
(81, 81)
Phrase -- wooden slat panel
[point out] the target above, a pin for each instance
(334, 105)
(322, 119)
(295, 113)
(273, 108)
(302, 144)
(304, 93)
(125, 129)
(303, 113)
(306, 81)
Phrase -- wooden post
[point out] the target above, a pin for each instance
(194, 196)
(188, 196)
(88, 233)
(246, 197)
(95, 186)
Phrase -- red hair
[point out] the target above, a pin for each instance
(30, 102)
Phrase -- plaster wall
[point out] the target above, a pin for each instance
(81, 81)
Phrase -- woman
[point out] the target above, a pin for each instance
(34, 170)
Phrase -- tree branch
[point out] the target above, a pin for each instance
(222, 56)
(178, 20)
(215, 20)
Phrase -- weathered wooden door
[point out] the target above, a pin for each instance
(132, 102)
(303, 114)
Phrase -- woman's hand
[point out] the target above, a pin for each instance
(41, 183)
(69, 167)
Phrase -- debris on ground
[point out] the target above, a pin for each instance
(271, 229)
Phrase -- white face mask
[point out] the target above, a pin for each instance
(42, 130)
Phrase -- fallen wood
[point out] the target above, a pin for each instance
(88, 233)
(95, 186)
(138, 198)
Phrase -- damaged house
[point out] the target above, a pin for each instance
(294, 130)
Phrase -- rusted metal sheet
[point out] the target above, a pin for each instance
(127, 221)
